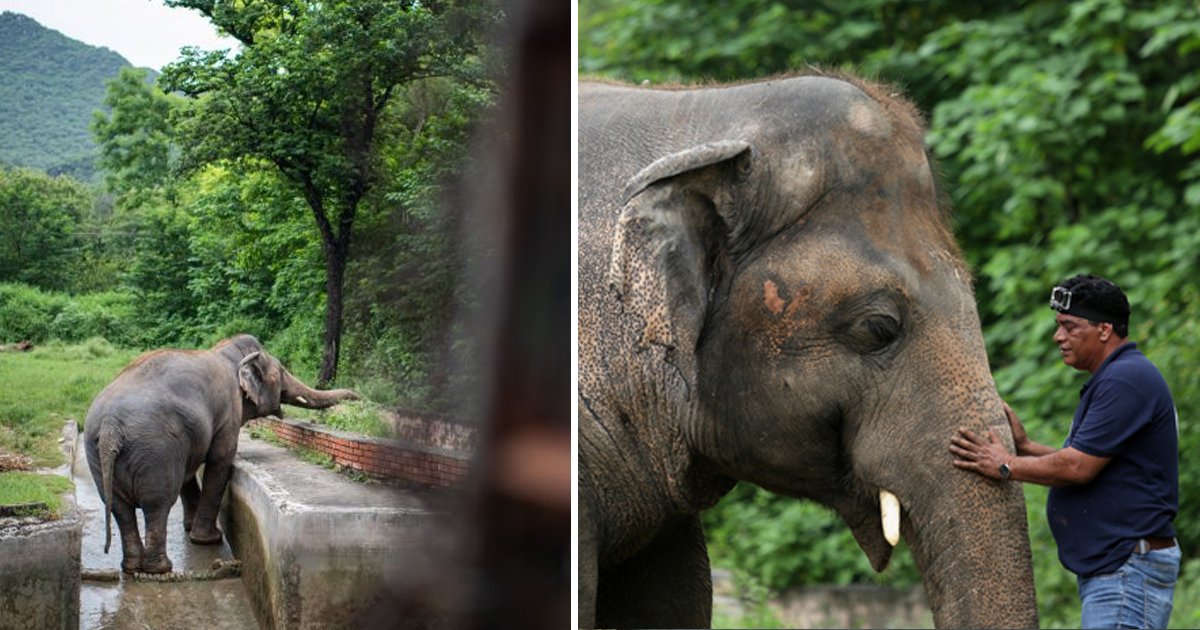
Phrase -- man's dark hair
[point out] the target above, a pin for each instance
(1100, 294)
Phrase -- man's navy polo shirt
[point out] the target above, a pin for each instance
(1126, 413)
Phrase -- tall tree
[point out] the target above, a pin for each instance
(306, 93)
(135, 139)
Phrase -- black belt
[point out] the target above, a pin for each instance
(1146, 545)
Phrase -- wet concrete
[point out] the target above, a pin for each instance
(130, 604)
(318, 549)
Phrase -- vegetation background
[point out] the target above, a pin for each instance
(1067, 134)
(249, 192)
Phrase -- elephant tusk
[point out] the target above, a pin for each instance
(889, 512)
(300, 399)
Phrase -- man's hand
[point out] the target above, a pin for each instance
(979, 455)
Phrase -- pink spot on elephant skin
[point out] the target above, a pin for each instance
(775, 302)
(771, 297)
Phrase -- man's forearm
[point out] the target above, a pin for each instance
(1059, 467)
(1029, 448)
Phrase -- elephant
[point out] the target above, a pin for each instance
(769, 291)
(169, 411)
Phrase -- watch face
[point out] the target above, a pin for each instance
(1005, 471)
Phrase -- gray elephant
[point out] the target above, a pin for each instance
(768, 291)
(168, 412)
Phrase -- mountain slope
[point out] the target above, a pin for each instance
(49, 86)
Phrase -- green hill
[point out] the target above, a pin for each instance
(49, 86)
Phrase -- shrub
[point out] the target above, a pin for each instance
(108, 315)
(29, 313)
(26, 313)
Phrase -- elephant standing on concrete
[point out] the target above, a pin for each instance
(164, 415)
(768, 291)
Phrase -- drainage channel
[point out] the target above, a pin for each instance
(202, 592)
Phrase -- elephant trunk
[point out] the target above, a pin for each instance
(968, 534)
(972, 547)
(298, 394)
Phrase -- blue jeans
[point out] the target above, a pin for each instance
(1137, 595)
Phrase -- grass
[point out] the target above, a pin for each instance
(47, 387)
(42, 492)
(356, 416)
(43, 389)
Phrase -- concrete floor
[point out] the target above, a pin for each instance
(129, 604)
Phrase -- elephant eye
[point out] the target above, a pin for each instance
(873, 334)
(884, 328)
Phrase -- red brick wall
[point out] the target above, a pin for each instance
(390, 459)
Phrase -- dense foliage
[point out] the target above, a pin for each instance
(1068, 137)
(306, 95)
(185, 245)
(49, 86)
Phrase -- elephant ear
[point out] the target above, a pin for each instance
(251, 371)
(675, 220)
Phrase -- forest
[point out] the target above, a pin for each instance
(297, 190)
(1067, 135)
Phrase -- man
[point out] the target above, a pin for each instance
(1115, 482)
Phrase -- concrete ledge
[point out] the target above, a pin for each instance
(315, 546)
(39, 574)
(39, 564)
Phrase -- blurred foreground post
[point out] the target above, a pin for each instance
(523, 505)
(500, 558)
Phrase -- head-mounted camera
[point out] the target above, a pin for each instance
(1060, 299)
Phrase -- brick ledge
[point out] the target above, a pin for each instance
(421, 464)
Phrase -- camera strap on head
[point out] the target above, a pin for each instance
(1061, 300)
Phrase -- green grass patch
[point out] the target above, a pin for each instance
(258, 432)
(315, 457)
(26, 488)
(362, 417)
(48, 386)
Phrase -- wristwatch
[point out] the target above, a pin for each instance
(1005, 471)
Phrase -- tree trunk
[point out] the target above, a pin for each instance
(336, 254)
(336, 246)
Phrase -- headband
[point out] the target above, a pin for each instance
(1060, 300)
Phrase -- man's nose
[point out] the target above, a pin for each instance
(1060, 335)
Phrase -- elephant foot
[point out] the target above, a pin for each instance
(160, 565)
(202, 537)
(131, 566)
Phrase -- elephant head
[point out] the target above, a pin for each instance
(265, 383)
(783, 303)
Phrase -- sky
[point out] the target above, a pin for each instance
(146, 32)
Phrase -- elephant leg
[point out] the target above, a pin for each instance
(132, 551)
(204, 525)
(191, 499)
(156, 560)
(668, 584)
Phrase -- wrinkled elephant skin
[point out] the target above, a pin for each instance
(168, 412)
(769, 292)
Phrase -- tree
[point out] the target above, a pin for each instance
(306, 94)
(136, 139)
(39, 221)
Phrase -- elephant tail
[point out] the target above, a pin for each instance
(109, 446)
